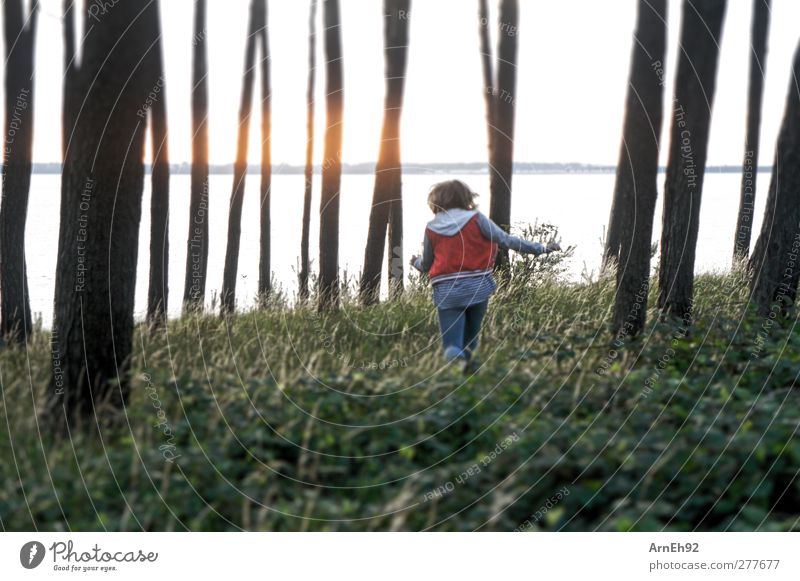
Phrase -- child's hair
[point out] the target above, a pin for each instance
(451, 194)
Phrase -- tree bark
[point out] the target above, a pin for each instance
(502, 154)
(636, 190)
(774, 263)
(101, 196)
(309, 173)
(194, 289)
(332, 160)
(500, 83)
(264, 265)
(158, 292)
(20, 37)
(755, 96)
(387, 206)
(695, 85)
(487, 67)
(228, 298)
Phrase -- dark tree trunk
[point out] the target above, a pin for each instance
(264, 266)
(755, 95)
(488, 71)
(158, 292)
(101, 203)
(228, 298)
(775, 265)
(20, 37)
(387, 206)
(500, 80)
(332, 160)
(197, 243)
(695, 84)
(502, 158)
(636, 189)
(309, 174)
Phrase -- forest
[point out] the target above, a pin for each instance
(649, 397)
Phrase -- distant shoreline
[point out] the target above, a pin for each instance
(368, 168)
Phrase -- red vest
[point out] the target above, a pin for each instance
(467, 250)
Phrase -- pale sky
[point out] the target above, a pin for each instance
(573, 67)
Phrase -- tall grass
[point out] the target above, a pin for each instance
(290, 419)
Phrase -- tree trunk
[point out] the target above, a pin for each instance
(194, 289)
(228, 298)
(101, 196)
(695, 84)
(332, 160)
(502, 154)
(158, 292)
(309, 173)
(387, 207)
(755, 95)
(775, 264)
(20, 37)
(488, 72)
(636, 189)
(264, 266)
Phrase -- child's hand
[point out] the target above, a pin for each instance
(552, 247)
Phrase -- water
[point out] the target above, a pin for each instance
(577, 203)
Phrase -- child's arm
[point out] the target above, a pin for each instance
(423, 263)
(494, 233)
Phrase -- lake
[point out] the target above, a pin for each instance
(577, 203)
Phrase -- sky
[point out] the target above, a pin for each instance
(572, 76)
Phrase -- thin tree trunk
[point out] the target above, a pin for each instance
(158, 292)
(197, 243)
(332, 161)
(309, 173)
(774, 264)
(636, 188)
(264, 266)
(20, 43)
(502, 153)
(755, 96)
(695, 85)
(228, 299)
(101, 197)
(387, 207)
(489, 88)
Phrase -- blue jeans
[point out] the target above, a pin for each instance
(460, 327)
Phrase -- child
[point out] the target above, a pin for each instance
(459, 253)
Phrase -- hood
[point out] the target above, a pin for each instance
(451, 222)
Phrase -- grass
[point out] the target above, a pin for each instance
(288, 419)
